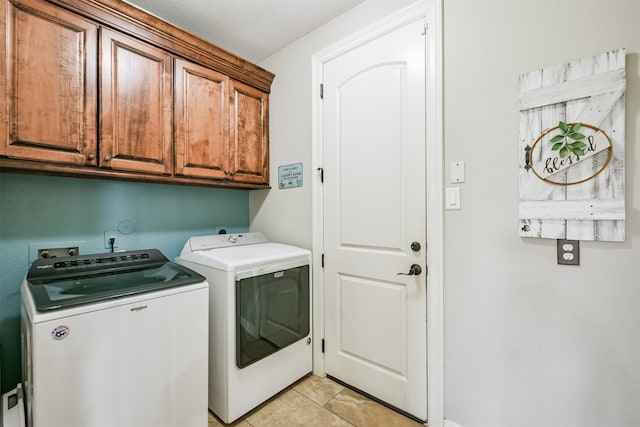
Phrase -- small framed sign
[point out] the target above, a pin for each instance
(290, 176)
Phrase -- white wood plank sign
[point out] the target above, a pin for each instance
(572, 139)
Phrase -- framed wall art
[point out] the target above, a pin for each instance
(572, 141)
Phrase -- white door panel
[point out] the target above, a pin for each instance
(360, 334)
(374, 208)
(355, 148)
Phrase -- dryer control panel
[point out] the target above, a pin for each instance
(215, 241)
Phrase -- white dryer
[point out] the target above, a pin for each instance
(259, 317)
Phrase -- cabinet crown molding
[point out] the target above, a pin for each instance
(136, 22)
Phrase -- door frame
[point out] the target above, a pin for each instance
(432, 11)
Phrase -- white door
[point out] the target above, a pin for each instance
(375, 218)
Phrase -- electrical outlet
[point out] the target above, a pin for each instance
(108, 234)
(568, 252)
(58, 249)
(58, 252)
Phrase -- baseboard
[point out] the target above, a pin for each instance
(448, 423)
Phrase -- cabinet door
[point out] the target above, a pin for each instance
(250, 134)
(202, 121)
(49, 89)
(136, 101)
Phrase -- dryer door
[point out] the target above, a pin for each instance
(272, 312)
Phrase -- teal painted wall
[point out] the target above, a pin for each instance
(36, 209)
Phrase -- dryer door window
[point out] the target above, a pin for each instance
(272, 312)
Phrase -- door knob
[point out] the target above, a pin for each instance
(414, 270)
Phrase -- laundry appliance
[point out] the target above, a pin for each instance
(259, 314)
(115, 339)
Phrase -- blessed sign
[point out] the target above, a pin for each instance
(566, 145)
(572, 149)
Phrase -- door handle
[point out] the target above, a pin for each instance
(414, 270)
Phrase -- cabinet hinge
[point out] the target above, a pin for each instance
(321, 91)
(322, 260)
(323, 345)
(321, 170)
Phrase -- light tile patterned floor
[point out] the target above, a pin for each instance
(318, 402)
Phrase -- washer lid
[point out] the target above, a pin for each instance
(237, 257)
(57, 283)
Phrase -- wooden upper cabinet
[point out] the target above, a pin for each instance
(249, 134)
(100, 88)
(49, 85)
(202, 121)
(136, 105)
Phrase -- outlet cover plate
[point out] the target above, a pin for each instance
(568, 252)
(107, 235)
(34, 247)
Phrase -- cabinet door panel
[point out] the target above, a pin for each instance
(51, 85)
(136, 128)
(250, 133)
(202, 121)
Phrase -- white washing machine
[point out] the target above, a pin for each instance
(259, 317)
(114, 339)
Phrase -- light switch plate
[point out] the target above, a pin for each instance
(457, 172)
(568, 252)
(452, 198)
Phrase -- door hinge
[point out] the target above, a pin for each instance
(321, 170)
(322, 261)
(323, 345)
(321, 91)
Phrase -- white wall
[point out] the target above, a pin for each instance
(527, 342)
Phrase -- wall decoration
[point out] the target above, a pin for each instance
(568, 147)
(572, 139)
(290, 176)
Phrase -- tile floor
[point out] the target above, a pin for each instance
(319, 402)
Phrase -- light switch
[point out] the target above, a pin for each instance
(457, 172)
(452, 198)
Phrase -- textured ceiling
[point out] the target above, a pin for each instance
(252, 29)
